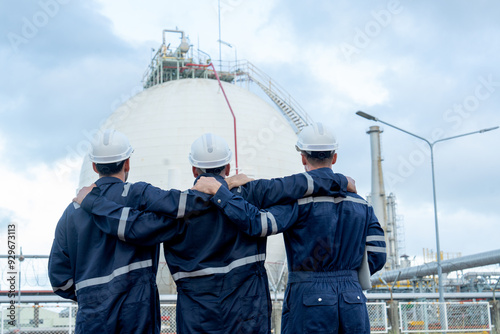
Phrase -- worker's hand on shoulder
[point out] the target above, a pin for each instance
(351, 185)
(207, 185)
(83, 193)
(237, 180)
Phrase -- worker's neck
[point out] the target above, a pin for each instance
(122, 176)
(311, 167)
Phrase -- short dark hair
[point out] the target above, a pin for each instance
(110, 169)
(318, 157)
(216, 171)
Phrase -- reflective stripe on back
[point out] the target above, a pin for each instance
(220, 270)
(126, 188)
(123, 223)
(335, 200)
(310, 184)
(117, 272)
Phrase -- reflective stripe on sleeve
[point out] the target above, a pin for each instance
(310, 184)
(123, 223)
(305, 200)
(335, 200)
(263, 222)
(182, 205)
(375, 249)
(220, 270)
(274, 227)
(65, 287)
(375, 238)
(117, 272)
(126, 188)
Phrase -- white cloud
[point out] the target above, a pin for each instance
(462, 230)
(2, 146)
(257, 33)
(35, 199)
(359, 81)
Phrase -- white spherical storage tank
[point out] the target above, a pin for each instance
(162, 122)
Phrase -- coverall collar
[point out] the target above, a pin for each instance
(107, 180)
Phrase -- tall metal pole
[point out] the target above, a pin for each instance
(235, 56)
(431, 145)
(438, 247)
(220, 46)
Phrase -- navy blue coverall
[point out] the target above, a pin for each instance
(114, 282)
(219, 271)
(325, 239)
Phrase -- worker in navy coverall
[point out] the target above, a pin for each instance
(325, 239)
(114, 282)
(219, 271)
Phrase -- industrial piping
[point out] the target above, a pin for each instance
(183, 47)
(234, 118)
(169, 30)
(230, 109)
(465, 262)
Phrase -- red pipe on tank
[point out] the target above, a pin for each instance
(234, 118)
(229, 105)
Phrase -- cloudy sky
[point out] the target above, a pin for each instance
(429, 67)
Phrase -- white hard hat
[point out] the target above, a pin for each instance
(315, 138)
(110, 146)
(209, 151)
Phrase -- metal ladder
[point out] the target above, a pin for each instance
(291, 109)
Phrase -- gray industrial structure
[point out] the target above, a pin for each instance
(420, 278)
(384, 206)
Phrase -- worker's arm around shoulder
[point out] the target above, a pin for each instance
(265, 193)
(137, 226)
(252, 220)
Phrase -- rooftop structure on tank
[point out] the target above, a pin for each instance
(168, 64)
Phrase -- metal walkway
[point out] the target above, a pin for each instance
(291, 109)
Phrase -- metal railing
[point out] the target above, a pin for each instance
(377, 313)
(47, 318)
(59, 318)
(290, 107)
(424, 317)
(52, 318)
